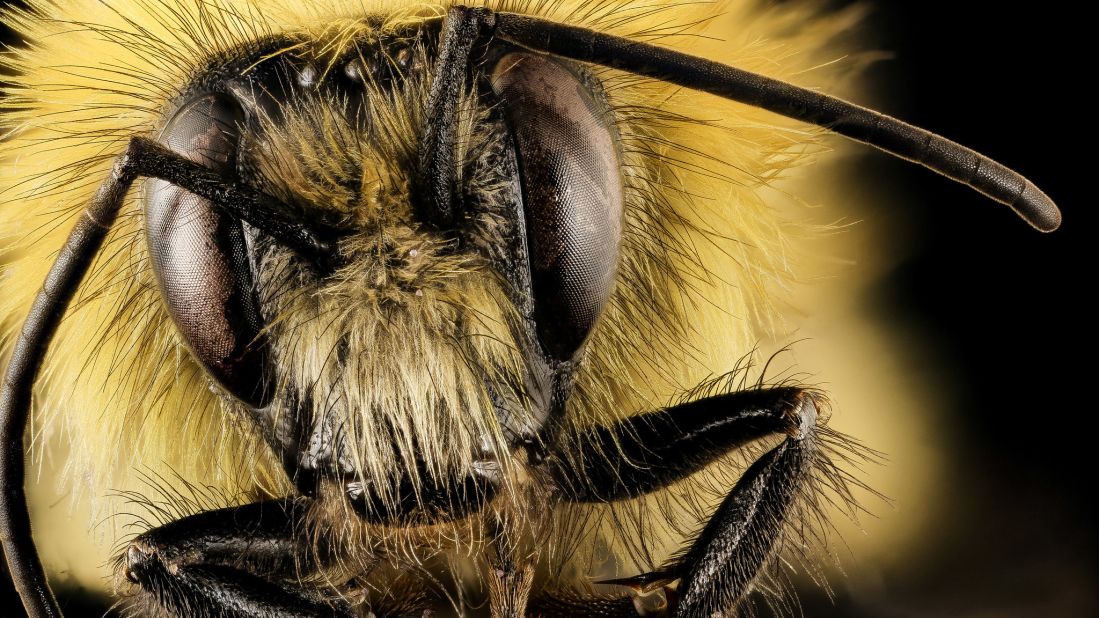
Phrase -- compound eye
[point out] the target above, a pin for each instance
(199, 256)
(572, 194)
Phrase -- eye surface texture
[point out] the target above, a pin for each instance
(199, 256)
(572, 192)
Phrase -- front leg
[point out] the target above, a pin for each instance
(720, 566)
(648, 452)
(240, 561)
(252, 561)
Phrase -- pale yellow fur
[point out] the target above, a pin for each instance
(122, 390)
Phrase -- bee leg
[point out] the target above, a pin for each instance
(659, 448)
(719, 567)
(241, 561)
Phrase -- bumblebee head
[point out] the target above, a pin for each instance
(460, 317)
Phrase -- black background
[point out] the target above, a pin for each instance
(1016, 538)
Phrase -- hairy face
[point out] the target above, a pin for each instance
(414, 335)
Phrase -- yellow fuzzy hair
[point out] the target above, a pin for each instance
(707, 257)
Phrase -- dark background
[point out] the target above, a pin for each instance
(1016, 538)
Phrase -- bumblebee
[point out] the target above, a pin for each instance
(407, 277)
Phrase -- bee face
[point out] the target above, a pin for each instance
(354, 370)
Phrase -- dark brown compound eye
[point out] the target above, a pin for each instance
(199, 256)
(572, 193)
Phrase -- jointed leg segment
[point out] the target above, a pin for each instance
(236, 561)
(658, 448)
